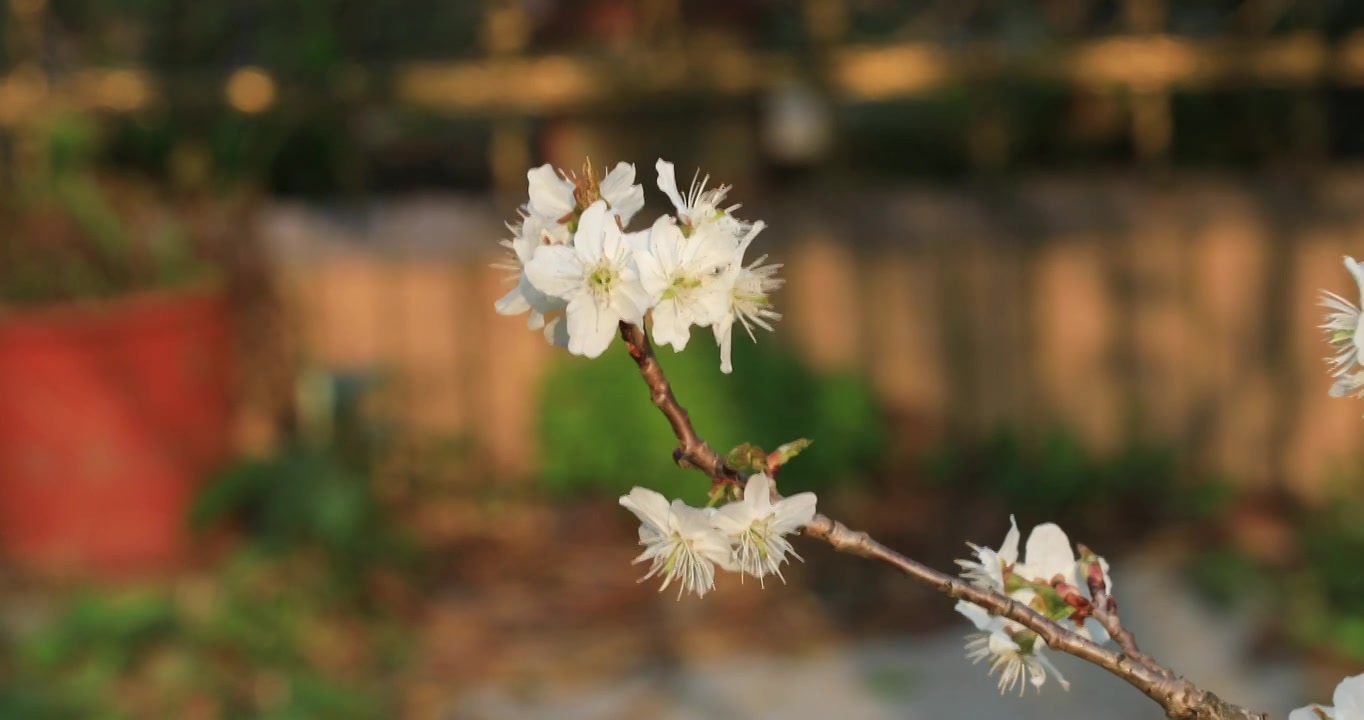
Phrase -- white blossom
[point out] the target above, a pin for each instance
(1012, 650)
(1047, 556)
(596, 276)
(620, 192)
(987, 570)
(1342, 326)
(757, 528)
(680, 542)
(749, 299)
(688, 278)
(700, 206)
(554, 196)
(527, 235)
(1348, 699)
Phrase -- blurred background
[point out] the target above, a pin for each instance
(266, 451)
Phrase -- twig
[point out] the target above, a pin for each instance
(691, 450)
(1180, 698)
(1104, 608)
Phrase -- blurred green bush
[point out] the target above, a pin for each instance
(316, 494)
(1050, 474)
(78, 235)
(599, 432)
(267, 639)
(1313, 589)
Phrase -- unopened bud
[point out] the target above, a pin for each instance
(747, 458)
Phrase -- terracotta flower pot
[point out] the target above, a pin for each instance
(111, 414)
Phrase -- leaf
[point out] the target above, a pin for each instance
(784, 453)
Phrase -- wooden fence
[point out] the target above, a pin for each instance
(1183, 312)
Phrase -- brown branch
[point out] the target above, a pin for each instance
(1180, 698)
(1104, 608)
(691, 450)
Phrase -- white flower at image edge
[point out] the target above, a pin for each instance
(680, 542)
(995, 642)
(1342, 326)
(757, 528)
(553, 198)
(596, 276)
(687, 278)
(1348, 699)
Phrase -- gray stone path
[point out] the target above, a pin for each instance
(923, 678)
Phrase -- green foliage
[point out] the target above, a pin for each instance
(76, 240)
(1054, 474)
(315, 493)
(1223, 575)
(599, 433)
(1326, 602)
(1316, 593)
(260, 621)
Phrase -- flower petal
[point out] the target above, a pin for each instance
(514, 302)
(556, 331)
(667, 182)
(758, 495)
(590, 326)
(648, 505)
(1009, 549)
(976, 614)
(1049, 554)
(794, 512)
(619, 190)
(555, 270)
(1349, 698)
(672, 326)
(551, 195)
(593, 229)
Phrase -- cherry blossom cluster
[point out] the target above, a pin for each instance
(684, 544)
(1049, 579)
(582, 276)
(579, 273)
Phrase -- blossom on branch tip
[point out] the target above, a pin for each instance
(1348, 699)
(756, 527)
(1342, 327)
(680, 542)
(598, 279)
